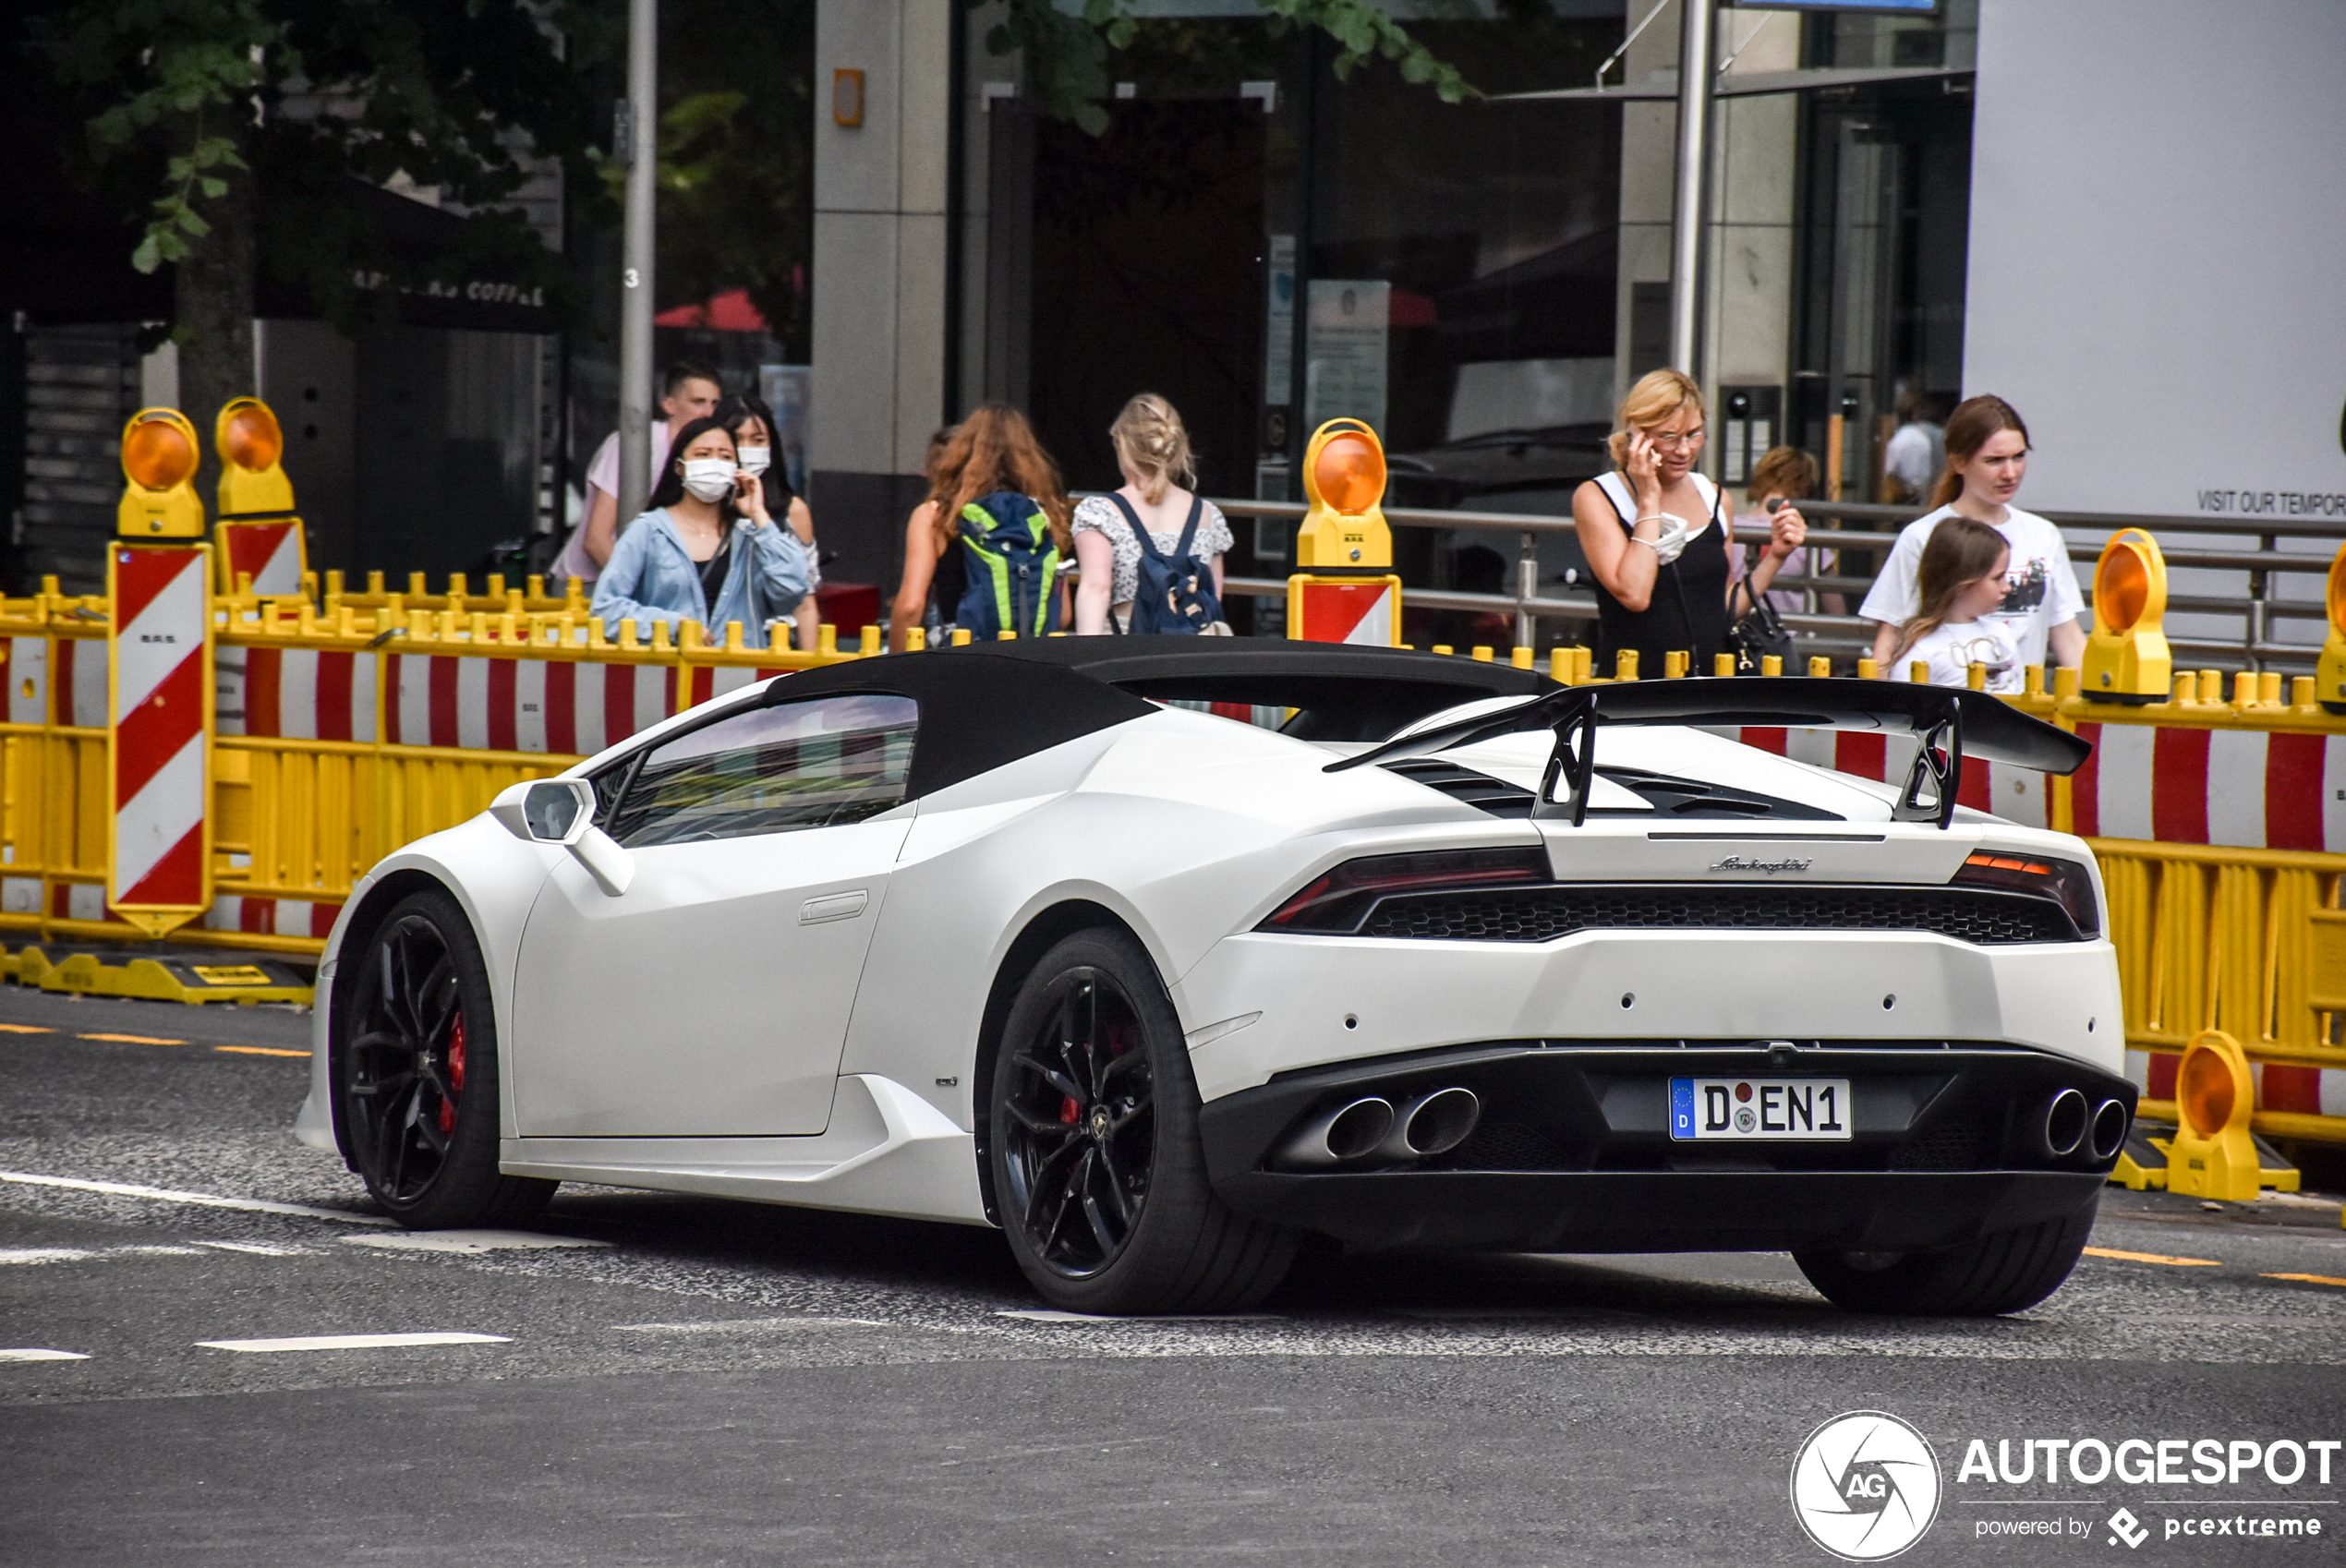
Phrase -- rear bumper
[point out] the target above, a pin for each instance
(1573, 1151)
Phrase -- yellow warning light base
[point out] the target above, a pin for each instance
(251, 446)
(159, 458)
(2127, 660)
(2213, 1154)
(1344, 529)
(157, 979)
(2143, 1163)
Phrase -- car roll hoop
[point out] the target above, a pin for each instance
(1945, 722)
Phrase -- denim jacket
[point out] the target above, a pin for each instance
(649, 577)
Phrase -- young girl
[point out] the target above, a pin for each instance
(993, 450)
(1152, 450)
(1961, 578)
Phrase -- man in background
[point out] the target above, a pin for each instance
(689, 390)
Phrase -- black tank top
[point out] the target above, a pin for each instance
(1688, 612)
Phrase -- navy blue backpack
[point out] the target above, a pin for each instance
(1013, 565)
(1174, 594)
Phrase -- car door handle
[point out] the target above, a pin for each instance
(834, 905)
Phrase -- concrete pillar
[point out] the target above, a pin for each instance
(1748, 318)
(881, 235)
(1649, 137)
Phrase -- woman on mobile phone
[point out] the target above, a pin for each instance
(1655, 539)
(706, 549)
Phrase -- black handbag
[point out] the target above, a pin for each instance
(1760, 634)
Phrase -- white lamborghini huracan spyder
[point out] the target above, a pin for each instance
(1029, 935)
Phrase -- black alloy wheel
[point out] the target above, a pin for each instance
(416, 1076)
(1092, 1143)
(1081, 1133)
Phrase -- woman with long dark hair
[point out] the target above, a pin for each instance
(757, 445)
(1986, 459)
(706, 549)
(991, 454)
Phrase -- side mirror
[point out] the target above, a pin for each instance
(562, 812)
(546, 811)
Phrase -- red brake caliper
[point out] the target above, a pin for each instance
(455, 1073)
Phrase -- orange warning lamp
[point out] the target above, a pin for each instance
(159, 459)
(2212, 1154)
(251, 444)
(1344, 479)
(2330, 675)
(2127, 660)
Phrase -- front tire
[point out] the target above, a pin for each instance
(2007, 1272)
(415, 1074)
(1098, 1173)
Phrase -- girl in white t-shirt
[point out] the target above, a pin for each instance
(1961, 579)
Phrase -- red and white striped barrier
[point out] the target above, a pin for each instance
(296, 693)
(159, 854)
(566, 707)
(270, 554)
(2240, 788)
(272, 917)
(1366, 611)
(74, 667)
(2311, 1092)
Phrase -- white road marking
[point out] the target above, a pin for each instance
(1048, 1315)
(351, 1342)
(200, 1200)
(470, 1243)
(753, 1325)
(261, 1249)
(31, 1355)
(45, 1254)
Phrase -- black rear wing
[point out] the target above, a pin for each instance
(1949, 723)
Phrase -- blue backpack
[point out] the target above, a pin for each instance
(1174, 594)
(1013, 565)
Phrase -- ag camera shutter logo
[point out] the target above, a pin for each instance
(1864, 1486)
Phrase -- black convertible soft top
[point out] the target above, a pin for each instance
(985, 704)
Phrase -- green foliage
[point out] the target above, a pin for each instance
(303, 96)
(1067, 54)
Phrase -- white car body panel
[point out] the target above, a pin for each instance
(840, 1069)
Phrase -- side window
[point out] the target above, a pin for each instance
(813, 764)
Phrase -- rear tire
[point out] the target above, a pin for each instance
(415, 1078)
(2007, 1272)
(1098, 1173)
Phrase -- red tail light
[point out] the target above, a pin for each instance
(2065, 882)
(1337, 900)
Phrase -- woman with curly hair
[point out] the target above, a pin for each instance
(989, 463)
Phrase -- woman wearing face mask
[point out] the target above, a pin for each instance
(706, 549)
(752, 422)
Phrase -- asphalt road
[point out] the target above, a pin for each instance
(653, 1379)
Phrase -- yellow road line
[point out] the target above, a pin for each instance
(259, 1051)
(2153, 1258)
(131, 1039)
(24, 1028)
(2311, 1279)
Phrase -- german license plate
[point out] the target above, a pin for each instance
(1759, 1109)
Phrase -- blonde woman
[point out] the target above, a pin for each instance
(1152, 450)
(1959, 581)
(1655, 539)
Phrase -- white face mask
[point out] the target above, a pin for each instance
(757, 459)
(709, 478)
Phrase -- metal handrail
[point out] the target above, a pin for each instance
(1829, 633)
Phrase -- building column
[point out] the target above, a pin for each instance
(879, 287)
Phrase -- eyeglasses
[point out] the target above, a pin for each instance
(1678, 441)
